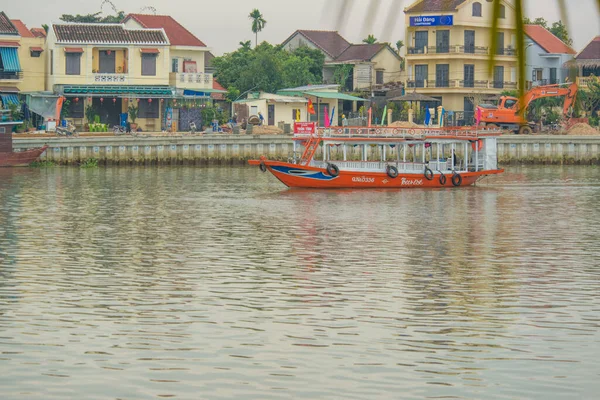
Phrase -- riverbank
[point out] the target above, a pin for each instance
(232, 149)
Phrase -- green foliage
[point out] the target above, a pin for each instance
(399, 45)
(15, 112)
(133, 112)
(232, 93)
(341, 73)
(46, 27)
(268, 68)
(588, 99)
(64, 111)
(90, 113)
(210, 113)
(247, 45)
(94, 18)
(557, 28)
(258, 23)
(370, 39)
(89, 163)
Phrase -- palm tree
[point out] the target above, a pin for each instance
(258, 23)
(370, 39)
(399, 45)
(247, 45)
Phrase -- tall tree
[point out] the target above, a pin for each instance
(557, 28)
(258, 23)
(246, 45)
(370, 39)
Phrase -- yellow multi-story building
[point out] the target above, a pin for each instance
(21, 61)
(448, 48)
(112, 67)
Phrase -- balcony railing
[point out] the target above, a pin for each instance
(109, 78)
(192, 80)
(583, 81)
(458, 83)
(459, 49)
(10, 76)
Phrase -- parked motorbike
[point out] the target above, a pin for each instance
(67, 131)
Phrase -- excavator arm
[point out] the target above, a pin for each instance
(568, 90)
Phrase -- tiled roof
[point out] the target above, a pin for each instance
(591, 51)
(38, 32)
(547, 41)
(177, 34)
(9, 43)
(362, 52)
(107, 33)
(23, 31)
(6, 27)
(434, 5)
(217, 86)
(330, 42)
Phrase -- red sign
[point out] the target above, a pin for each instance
(307, 128)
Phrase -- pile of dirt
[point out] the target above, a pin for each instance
(266, 130)
(582, 129)
(404, 124)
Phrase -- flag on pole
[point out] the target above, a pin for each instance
(332, 113)
(442, 117)
(427, 117)
(311, 107)
(326, 117)
(370, 113)
(383, 116)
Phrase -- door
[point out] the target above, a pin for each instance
(442, 72)
(498, 77)
(107, 62)
(553, 80)
(442, 41)
(470, 42)
(500, 43)
(421, 41)
(108, 110)
(271, 114)
(469, 111)
(469, 77)
(420, 75)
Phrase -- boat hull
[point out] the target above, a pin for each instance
(300, 176)
(20, 159)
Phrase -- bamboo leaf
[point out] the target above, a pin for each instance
(520, 50)
(494, 36)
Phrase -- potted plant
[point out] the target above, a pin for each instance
(90, 115)
(133, 114)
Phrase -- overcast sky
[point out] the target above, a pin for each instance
(222, 24)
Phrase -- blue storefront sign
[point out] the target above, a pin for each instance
(432, 20)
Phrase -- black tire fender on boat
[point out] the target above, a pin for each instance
(443, 179)
(456, 179)
(262, 167)
(333, 170)
(428, 174)
(392, 171)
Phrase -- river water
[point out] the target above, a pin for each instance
(220, 283)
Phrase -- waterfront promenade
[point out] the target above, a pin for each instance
(231, 149)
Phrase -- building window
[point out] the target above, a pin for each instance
(107, 62)
(553, 76)
(73, 64)
(148, 64)
(420, 75)
(421, 42)
(51, 62)
(477, 9)
(499, 77)
(502, 12)
(469, 75)
(148, 109)
(379, 77)
(175, 65)
(296, 114)
(35, 53)
(442, 73)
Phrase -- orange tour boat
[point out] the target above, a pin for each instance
(386, 157)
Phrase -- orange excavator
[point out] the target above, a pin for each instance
(509, 113)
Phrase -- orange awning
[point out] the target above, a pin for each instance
(36, 49)
(9, 44)
(73, 50)
(150, 51)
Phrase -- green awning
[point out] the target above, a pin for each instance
(334, 95)
(122, 91)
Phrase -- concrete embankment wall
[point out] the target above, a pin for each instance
(229, 149)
